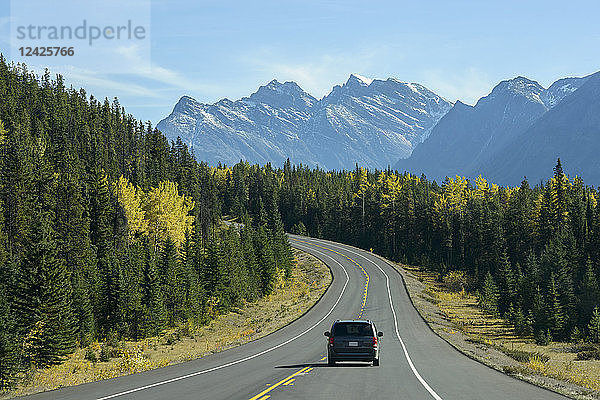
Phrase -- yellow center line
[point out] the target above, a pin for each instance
(364, 302)
(267, 390)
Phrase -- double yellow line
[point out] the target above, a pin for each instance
(289, 380)
(364, 299)
(281, 382)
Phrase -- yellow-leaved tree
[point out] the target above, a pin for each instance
(167, 213)
(131, 199)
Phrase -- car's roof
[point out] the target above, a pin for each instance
(365, 321)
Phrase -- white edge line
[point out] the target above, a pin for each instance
(246, 358)
(410, 363)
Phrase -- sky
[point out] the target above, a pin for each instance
(211, 50)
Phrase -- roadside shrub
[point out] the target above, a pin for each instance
(588, 351)
(523, 356)
(456, 281)
(588, 355)
(576, 335)
(104, 354)
(90, 355)
(511, 370)
(543, 338)
(172, 338)
(112, 339)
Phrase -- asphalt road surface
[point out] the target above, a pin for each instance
(291, 363)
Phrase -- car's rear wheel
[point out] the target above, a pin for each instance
(376, 362)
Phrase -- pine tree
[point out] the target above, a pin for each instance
(265, 260)
(589, 293)
(281, 247)
(522, 325)
(82, 310)
(488, 297)
(171, 276)
(539, 317)
(556, 318)
(559, 196)
(594, 326)
(506, 284)
(250, 262)
(41, 300)
(154, 310)
(9, 351)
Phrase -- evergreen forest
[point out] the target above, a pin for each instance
(106, 229)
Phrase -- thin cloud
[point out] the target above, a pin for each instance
(79, 77)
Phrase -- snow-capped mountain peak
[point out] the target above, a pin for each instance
(561, 89)
(361, 80)
(519, 86)
(372, 122)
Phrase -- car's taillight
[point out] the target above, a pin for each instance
(331, 340)
(374, 341)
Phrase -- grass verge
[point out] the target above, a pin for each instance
(292, 298)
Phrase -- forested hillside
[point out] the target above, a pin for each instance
(106, 229)
(532, 253)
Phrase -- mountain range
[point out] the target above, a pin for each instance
(369, 122)
(473, 140)
(517, 131)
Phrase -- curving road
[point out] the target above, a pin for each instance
(290, 363)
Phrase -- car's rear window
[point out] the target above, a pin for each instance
(352, 329)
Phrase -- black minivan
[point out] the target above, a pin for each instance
(353, 340)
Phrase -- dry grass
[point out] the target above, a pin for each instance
(557, 360)
(291, 299)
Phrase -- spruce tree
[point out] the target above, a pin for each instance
(281, 247)
(594, 326)
(488, 296)
(171, 276)
(153, 296)
(539, 317)
(506, 284)
(556, 317)
(265, 260)
(9, 350)
(41, 300)
(249, 255)
(589, 294)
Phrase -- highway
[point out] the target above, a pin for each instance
(291, 363)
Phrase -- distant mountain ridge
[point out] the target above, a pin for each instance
(468, 139)
(517, 130)
(367, 121)
(569, 131)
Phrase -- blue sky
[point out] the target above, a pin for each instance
(459, 49)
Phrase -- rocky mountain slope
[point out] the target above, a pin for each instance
(468, 138)
(370, 122)
(570, 130)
